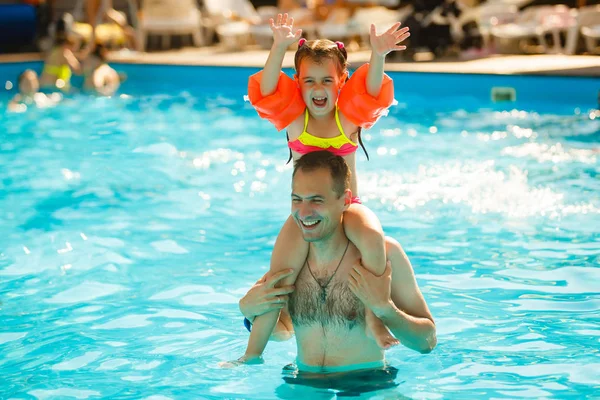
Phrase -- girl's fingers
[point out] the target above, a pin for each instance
(402, 38)
(400, 32)
(291, 23)
(394, 27)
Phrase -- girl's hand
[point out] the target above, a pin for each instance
(283, 34)
(389, 40)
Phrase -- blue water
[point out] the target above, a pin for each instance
(131, 226)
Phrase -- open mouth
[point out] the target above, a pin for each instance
(309, 225)
(319, 101)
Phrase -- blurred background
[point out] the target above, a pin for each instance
(463, 29)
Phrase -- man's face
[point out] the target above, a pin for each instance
(316, 207)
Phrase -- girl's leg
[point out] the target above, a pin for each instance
(364, 230)
(290, 251)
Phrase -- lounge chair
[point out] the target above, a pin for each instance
(170, 17)
(231, 20)
(337, 25)
(556, 23)
(382, 17)
(586, 24)
(262, 34)
(528, 25)
(490, 15)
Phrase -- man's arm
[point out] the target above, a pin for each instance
(407, 314)
(395, 298)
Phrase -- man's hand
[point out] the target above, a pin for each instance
(264, 296)
(389, 40)
(374, 291)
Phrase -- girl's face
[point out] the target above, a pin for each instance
(320, 84)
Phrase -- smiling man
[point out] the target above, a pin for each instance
(327, 307)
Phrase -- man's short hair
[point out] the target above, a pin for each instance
(337, 166)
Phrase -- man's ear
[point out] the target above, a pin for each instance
(347, 198)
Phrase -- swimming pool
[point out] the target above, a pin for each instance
(132, 225)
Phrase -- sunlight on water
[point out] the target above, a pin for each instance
(132, 225)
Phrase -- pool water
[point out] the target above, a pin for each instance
(131, 226)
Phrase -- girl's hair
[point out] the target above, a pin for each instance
(60, 40)
(64, 27)
(65, 24)
(319, 50)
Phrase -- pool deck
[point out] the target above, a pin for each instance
(546, 64)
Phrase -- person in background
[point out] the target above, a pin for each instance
(109, 24)
(61, 62)
(98, 76)
(29, 93)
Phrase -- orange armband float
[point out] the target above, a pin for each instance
(358, 105)
(280, 108)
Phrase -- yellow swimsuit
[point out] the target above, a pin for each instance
(340, 145)
(62, 72)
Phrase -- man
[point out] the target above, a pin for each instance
(330, 293)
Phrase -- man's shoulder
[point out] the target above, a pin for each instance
(395, 253)
(393, 245)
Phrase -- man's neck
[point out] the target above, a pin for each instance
(328, 249)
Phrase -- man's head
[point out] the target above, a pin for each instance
(28, 83)
(320, 194)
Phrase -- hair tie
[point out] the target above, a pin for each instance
(340, 45)
(301, 42)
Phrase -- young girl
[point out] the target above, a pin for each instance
(61, 62)
(321, 100)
